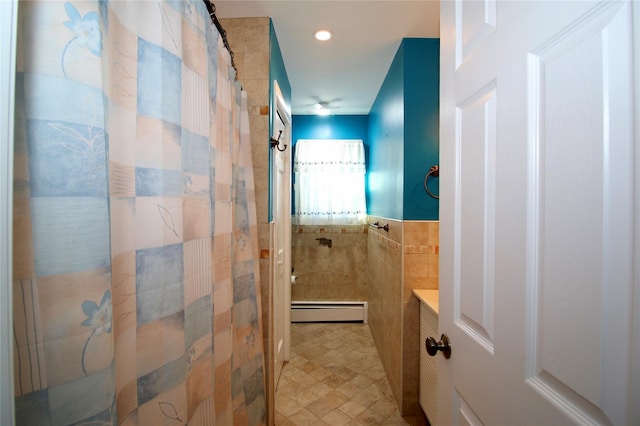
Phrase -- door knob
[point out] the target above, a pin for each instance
(443, 345)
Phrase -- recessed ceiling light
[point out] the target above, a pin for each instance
(323, 35)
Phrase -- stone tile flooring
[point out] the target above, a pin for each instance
(335, 377)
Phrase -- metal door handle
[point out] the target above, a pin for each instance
(443, 345)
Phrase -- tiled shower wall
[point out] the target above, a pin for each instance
(249, 40)
(331, 273)
(403, 259)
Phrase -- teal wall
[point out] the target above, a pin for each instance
(330, 127)
(277, 72)
(421, 126)
(386, 140)
(403, 134)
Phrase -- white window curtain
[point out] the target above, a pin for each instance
(329, 182)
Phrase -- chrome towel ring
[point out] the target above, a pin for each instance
(435, 172)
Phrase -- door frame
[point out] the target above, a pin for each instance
(9, 18)
(280, 109)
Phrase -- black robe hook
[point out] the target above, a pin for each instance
(275, 143)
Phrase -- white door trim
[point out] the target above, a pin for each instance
(282, 110)
(8, 25)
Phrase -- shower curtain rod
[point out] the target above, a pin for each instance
(212, 13)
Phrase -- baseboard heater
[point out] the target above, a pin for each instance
(329, 311)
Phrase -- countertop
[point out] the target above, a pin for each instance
(429, 298)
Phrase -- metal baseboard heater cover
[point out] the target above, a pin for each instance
(323, 311)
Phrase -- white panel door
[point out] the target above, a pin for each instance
(281, 199)
(540, 199)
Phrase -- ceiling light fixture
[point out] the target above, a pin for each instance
(322, 109)
(323, 35)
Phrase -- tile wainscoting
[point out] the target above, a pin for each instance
(400, 260)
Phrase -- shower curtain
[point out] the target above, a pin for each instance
(136, 282)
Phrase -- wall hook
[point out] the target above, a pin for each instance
(275, 143)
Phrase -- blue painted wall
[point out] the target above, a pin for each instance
(330, 127)
(386, 139)
(403, 134)
(421, 127)
(278, 72)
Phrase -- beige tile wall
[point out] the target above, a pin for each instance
(249, 41)
(385, 298)
(403, 259)
(323, 273)
(421, 249)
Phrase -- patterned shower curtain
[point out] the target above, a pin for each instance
(136, 284)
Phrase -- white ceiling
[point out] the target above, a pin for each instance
(347, 71)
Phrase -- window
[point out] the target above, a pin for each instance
(329, 182)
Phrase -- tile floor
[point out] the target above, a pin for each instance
(335, 377)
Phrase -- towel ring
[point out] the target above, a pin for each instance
(435, 172)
